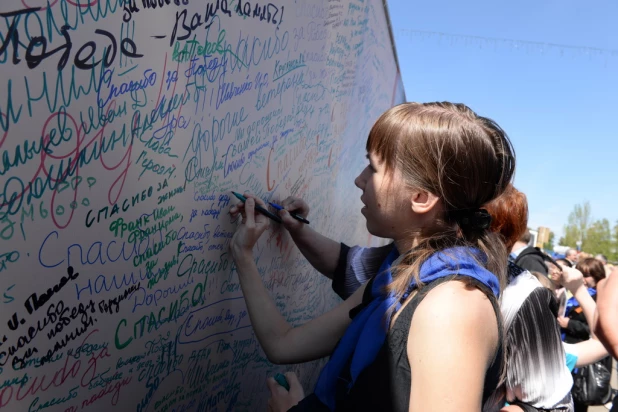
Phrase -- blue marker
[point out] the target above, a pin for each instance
(294, 215)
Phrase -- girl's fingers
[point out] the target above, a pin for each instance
(236, 209)
(250, 212)
(258, 201)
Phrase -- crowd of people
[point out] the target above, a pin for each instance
(458, 313)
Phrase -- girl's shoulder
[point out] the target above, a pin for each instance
(454, 303)
(455, 300)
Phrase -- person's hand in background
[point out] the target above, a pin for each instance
(282, 400)
(572, 279)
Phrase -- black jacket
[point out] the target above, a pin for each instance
(532, 259)
(577, 329)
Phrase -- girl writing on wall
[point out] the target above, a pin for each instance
(401, 341)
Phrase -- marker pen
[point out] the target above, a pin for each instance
(259, 208)
(294, 215)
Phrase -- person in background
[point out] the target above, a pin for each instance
(600, 257)
(588, 351)
(537, 375)
(553, 282)
(582, 353)
(571, 256)
(603, 259)
(593, 271)
(432, 166)
(606, 318)
(526, 256)
(583, 255)
(564, 262)
(575, 325)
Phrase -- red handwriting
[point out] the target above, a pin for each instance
(268, 184)
(53, 3)
(162, 80)
(91, 372)
(78, 4)
(41, 8)
(75, 157)
(68, 370)
(6, 118)
(283, 243)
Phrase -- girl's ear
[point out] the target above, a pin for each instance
(423, 202)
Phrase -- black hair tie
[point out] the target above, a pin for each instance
(475, 219)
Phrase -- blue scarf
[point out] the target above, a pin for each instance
(572, 303)
(367, 332)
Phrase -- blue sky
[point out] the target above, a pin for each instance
(558, 105)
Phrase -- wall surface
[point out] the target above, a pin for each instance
(124, 126)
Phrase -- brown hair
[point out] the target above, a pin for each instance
(591, 267)
(509, 215)
(464, 159)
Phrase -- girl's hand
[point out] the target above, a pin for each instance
(281, 400)
(252, 226)
(295, 205)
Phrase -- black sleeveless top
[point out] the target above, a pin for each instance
(385, 384)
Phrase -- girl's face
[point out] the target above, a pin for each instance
(554, 273)
(386, 199)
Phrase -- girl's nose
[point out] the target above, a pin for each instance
(359, 181)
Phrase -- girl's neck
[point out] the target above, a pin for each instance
(403, 245)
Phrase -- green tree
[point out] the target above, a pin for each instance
(598, 238)
(549, 245)
(578, 224)
(613, 255)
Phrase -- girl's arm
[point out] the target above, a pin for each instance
(281, 342)
(452, 342)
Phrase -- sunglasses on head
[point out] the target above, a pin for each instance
(551, 260)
